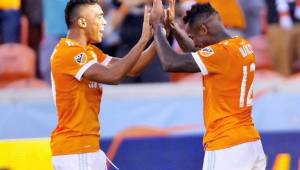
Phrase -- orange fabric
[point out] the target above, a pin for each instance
(10, 4)
(231, 14)
(230, 67)
(77, 99)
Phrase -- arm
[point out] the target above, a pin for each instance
(145, 59)
(185, 43)
(114, 74)
(171, 60)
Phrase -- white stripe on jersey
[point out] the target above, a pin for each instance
(200, 63)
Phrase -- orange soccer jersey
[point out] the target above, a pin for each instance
(77, 100)
(228, 72)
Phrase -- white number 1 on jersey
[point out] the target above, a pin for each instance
(243, 87)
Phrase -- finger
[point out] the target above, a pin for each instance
(154, 3)
(146, 13)
(172, 5)
(160, 4)
(149, 9)
(145, 10)
(169, 12)
(157, 4)
(166, 14)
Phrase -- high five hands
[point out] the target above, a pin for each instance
(159, 15)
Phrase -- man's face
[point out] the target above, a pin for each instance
(203, 33)
(95, 22)
(198, 35)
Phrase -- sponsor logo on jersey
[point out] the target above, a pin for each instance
(206, 52)
(81, 58)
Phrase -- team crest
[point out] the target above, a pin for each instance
(206, 52)
(81, 58)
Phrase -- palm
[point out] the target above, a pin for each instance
(171, 12)
(147, 30)
(156, 12)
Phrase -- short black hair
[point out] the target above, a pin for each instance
(203, 10)
(71, 10)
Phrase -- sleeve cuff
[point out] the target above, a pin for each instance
(83, 69)
(106, 60)
(200, 64)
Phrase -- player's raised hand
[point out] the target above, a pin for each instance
(147, 29)
(170, 12)
(157, 13)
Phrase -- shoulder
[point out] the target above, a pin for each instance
(67, 49)
(96, 50)
(212, 50)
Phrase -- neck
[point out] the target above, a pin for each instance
(222, 35)
(78, 36)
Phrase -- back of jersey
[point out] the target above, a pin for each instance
(228, 68)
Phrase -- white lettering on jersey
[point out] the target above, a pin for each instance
(246, 50)
(95, 85)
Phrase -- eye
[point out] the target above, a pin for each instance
(100, 16)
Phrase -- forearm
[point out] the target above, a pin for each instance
(185, 43)
(165, 52)
(170, 59)
(146, 58)
(123, 66)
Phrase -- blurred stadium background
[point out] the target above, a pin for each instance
(153, 122)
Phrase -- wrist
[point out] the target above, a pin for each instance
(143, 40)
(156, 25)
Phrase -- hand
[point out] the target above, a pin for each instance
(170, 13)
(157, 13)
(169, 16)
(147, 29)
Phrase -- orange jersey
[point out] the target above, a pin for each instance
(228, 70)
(231, 14)
(77, 99)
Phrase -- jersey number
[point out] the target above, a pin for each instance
(249, 93)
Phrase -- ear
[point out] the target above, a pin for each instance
(203, 29)
(82, 23)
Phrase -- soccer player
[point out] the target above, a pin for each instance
(231, 141)
(78, 70)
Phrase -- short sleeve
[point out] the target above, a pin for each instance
(101, 57)
(75, 61)
(212, 59)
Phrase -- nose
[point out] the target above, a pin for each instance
(104, 21)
